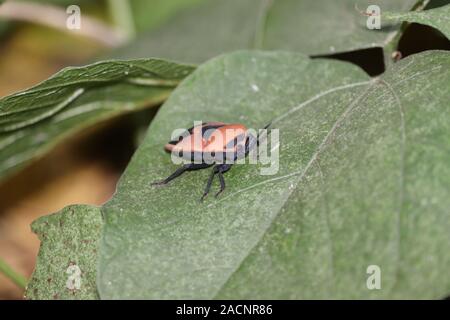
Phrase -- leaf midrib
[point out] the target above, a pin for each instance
(402, 179)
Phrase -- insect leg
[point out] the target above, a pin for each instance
(208, 184)
(222, 183)
(250, 143)
(174, 175)
(253, 141)
(222, 168)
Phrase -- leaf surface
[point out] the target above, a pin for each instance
(362, 180)
(312, 27)
(438, 18)
(69, 244)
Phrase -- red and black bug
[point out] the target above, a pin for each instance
(215, 144)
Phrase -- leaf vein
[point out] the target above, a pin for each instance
(314, 157)
(402, 176)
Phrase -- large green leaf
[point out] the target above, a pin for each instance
(363, 180)
(67, 262)
(438, 18)
(33, 121)
(150, 14)
(312, 27)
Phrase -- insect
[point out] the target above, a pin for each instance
(209, 144)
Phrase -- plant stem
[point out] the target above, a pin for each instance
(122, 16)
(392, 45)
(18, 279)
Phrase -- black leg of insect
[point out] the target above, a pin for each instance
(180, 171)
(219, 169)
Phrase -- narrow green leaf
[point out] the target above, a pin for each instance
(33, 121)
(11, 274)
(438, 18)
(363, 180)
(67, 261)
